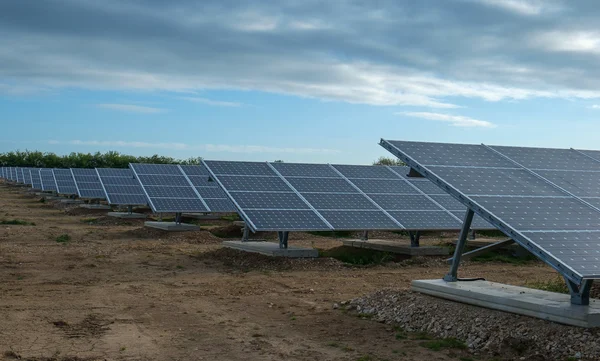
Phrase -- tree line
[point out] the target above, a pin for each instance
(110, 159)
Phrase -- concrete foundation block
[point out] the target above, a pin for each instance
(172, 226)
(201, 216)
(95, 206)
(395, 247)
(272, 249)
(545, 305)
(71, 201)
(126, 215)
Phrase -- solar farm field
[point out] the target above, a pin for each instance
(76, 286)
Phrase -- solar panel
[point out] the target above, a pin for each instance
(27, 176)
(34, 174)
(214, 197)
(65, 183)
(121, 187)
(18, 175)
(329, 197)
(47, 180)
(537, 196)
(88, 183)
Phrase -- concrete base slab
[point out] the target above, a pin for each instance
(126, 215)
(546, 305)
(201, 216)
(71, 201)
(172, 226)
(395, 247)
(95, 206)
(52, 198)
(272, 249)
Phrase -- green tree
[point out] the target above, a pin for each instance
(388, 161)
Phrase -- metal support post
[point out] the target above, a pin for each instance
(130, 209)
(365, 236)
(414, 238)
(472, 235)
(245, 234)
(178, 218)
(283, 239)
(580, 294)
(452, 276)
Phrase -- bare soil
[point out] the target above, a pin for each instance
(118, 291)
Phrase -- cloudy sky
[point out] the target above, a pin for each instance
(315, 81)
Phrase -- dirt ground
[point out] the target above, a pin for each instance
(115, 291)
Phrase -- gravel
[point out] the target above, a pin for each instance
(484, 331)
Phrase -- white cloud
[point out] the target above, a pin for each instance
(131, 108)
(213, 148)
(568, 41)
(522, 7)
(334, 51)
(594, 106)
(454, 120)
(216, 103)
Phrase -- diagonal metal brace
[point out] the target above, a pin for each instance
(484, 249)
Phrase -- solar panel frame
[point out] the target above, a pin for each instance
(522, 236)
(88, 183)
(121, 178)
(47, 180)
(169, 189)
(36, 182)
(65, 183)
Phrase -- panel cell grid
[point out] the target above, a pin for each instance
(47, 180)
(36, 183)
(64, 181)
(88, 184)
(168, 189)
(121, 187)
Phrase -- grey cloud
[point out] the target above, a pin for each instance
(374, 52)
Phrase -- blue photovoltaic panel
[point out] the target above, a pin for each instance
(121, 187)
(344, 197)
(87, 183)
(19, 175)
(168, 188)
(64, 181)
(304, 170)
(34, 174)
(538, 196)
(212, 194)
(47, 180)
(27, 176)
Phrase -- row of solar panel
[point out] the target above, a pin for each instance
(336, 197)
(277, 196)
(166, 188)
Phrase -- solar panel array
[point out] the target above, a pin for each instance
(121, 187)
(19, 175)
(34, 174)
(546, 199)
(47, 180)
(88, 183)
(313, 197)
(172, 188)
(65, 184)
(214, 197)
